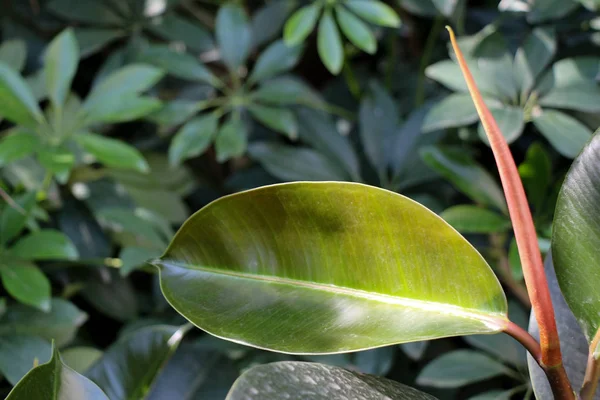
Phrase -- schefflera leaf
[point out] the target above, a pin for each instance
(327, 267)
(576, 238)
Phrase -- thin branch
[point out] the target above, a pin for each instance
(550, 358)
(592, 372)
(523, 337)
(525, 234)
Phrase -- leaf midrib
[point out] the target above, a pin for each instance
(495, 321)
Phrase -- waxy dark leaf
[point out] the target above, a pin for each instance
(301, 380)
(55, 381)
(576, 238)
(128, 368)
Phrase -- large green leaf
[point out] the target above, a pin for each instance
(327, 267)
(301, 380)
(60, 66)
(128, 368)
(18, 103)
(55, 381)
(234, 35)
(576, 238)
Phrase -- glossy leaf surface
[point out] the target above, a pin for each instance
(301, 380)
(128, 368)
(576, 238)
(327, 267)
(55, 381)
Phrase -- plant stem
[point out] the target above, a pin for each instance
(592, 372)
(533, 269)
(523, 337)
(557, 376)
(525, 234)
(426, 57)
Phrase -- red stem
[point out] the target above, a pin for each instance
(523, 337)
(525, 234)
(550, 358)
